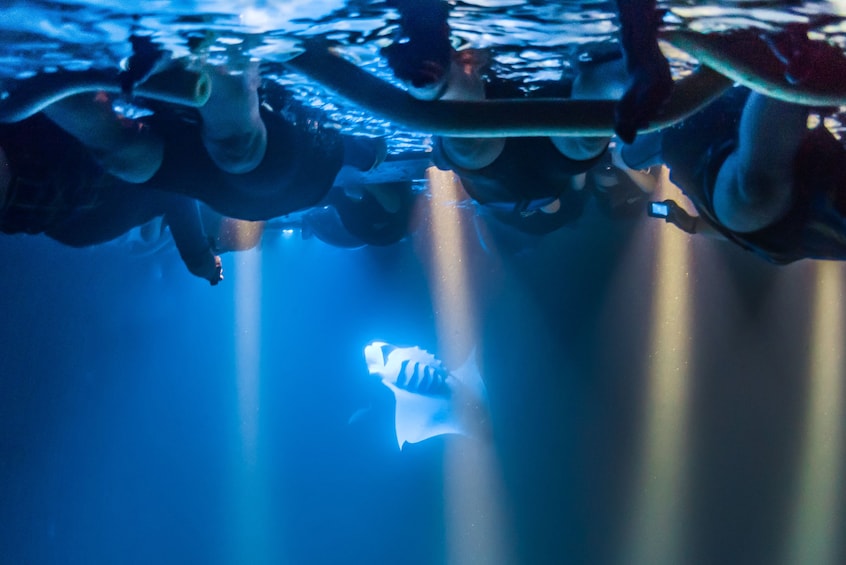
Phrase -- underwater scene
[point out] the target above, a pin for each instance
(422, 282)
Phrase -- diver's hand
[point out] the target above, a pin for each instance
(422, 52)
(651, 86)
(679, 217)
(217, 275)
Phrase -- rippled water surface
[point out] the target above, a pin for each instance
(655, 398)
(530, 40)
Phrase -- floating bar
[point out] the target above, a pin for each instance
(495, 118)
(744, 57)
(31, 95)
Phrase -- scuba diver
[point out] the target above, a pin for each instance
(83, 174)
(530, 183)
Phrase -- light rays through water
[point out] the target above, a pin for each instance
(251, 539)
(815, 531)
(475, 532)
(655, 527)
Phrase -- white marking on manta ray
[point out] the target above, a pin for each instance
(430, 400)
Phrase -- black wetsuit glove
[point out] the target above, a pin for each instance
(423, 40)
(146, 56)
(652, 82)
(679, 217)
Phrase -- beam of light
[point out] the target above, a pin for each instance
(654, 534)
(473, 485)
(816, 530)
(248, 349)
(251, 541)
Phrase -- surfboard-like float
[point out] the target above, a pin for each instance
(495, 118)
(29, 96)
(745, 57)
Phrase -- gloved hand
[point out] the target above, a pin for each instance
(651, 86)
(421, 54)
(652, 81)
(217, 272)
(679, 217)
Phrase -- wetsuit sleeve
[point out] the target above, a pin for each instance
(183, 217)
(652, 82)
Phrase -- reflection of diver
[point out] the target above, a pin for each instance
(358, 215)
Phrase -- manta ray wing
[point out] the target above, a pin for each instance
(468, 374)
(420, 417)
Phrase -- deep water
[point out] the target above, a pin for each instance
(648, 405)
(122, 436)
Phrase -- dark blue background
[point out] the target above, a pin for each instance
(119, 425)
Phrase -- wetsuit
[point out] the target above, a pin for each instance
(61, 191)
(529, 173)
(299, 167)
(57, 189)
(815, 225)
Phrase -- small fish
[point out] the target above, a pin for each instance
(430, 400)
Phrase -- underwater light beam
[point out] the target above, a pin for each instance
(473, 483)
(251, 541)
(248, 350)
(655, 533)
(816, 530)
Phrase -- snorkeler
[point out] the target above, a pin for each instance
(757, 175)
(530, 183)
(354, 216)
(239, 155)
(424, 54)
(51, 184)
(247, 162)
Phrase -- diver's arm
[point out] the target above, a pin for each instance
(183, 218)
(651, 80)
(646, 182)
(689, 223)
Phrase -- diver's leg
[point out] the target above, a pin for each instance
(604, 81)
(123, 147)
(233, 132)
(754, 187)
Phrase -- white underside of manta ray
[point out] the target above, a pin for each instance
(430, 400)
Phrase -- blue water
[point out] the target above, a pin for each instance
(146, 417)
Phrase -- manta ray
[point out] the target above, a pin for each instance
(430, 400)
